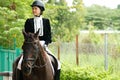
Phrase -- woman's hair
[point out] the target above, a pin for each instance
(41, 10)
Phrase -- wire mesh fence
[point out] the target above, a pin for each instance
(89, 54)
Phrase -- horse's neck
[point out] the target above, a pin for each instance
(42, 55)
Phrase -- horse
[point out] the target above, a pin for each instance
(36, 64)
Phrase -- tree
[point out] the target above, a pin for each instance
(102, 17)
(13, 14)
(118, 7)
(65, 23)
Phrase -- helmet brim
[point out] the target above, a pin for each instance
(42, 8)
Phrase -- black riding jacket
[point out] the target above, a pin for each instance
(29, 27)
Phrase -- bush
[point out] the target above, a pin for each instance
(69, 72)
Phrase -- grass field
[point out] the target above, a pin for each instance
(92, 61)
(97, 61)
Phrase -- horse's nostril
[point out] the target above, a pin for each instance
(30, 63)
(27, 70)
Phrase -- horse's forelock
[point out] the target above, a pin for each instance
(31, 37)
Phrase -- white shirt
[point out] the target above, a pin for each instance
(38, 24)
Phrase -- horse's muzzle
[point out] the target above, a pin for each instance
(28, 65)
(27, 70)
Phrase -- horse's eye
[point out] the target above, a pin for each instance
(35, 43)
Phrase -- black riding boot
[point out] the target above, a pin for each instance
(18, 75)
(57, 75)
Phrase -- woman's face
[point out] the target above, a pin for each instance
(36, 11)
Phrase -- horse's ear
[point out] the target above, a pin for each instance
(24, 33)
(36, 34)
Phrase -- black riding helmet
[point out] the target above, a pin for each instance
(38, 3)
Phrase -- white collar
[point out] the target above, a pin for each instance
(39, 18)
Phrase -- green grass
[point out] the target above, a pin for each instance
(91, 60)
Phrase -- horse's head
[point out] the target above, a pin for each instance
(30, 51)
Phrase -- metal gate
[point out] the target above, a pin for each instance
(7, 58)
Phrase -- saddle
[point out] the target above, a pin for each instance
(54, 62)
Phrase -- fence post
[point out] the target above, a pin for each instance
(58, 42)
(14, 40)
(106, 52)
(77, 56)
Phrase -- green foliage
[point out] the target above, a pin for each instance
(91, 37)
(10, 26)
(103, 17)
(65, 23)
(12, 18)
(11, 38)
(70, 72)
(118, 7)
(23, 8)
(7, 17)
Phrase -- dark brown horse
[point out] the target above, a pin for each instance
(36, 64)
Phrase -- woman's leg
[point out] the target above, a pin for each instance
(57, 72)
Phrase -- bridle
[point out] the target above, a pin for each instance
(32, 59)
